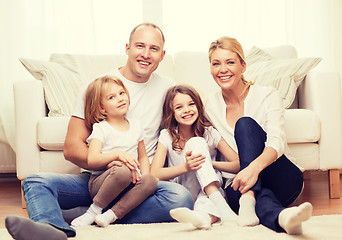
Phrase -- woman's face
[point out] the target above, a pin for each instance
(226, 68)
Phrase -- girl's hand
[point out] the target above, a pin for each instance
(193, 162)
(245, 179)
(127, 159)
(135, 176)
(114, 163)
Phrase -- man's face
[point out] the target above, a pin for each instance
(145, 52)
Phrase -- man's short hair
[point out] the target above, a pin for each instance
(147, 24)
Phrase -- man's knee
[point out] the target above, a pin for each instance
(32, 180)
(176, 194)
(149, 182)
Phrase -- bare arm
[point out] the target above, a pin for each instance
(144, 163)
(99, 160)
(232, 166)
(75, 147)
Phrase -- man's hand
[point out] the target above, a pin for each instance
(193, 162)
(135, 176)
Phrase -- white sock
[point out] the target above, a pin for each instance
(290, 219)
(106, 218)
(247, 215)
(225, 211)
(88, 218)
(185, 215)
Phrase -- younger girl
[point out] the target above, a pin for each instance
(187, 134)
(118, 142)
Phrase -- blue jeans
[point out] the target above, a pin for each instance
(278, 185)
(47, 193)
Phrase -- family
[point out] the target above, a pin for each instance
(153, 151)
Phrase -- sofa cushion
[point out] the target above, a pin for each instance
(283, 74)
(61, 83)
(196, 74)
(51, 132)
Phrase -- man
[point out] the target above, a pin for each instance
(47, 193)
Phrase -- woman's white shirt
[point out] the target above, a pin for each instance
(264, 105)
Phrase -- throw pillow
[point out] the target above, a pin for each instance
(61, 82)
(283, 74)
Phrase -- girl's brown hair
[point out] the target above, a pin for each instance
(93, 97)
(169, 122)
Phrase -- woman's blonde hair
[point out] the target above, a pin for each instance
(168, 119)
(231, 44)
(93, 99)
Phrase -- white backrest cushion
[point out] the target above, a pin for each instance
(65, 75)
(193, 68)
(285, 51)
(61, 83)
(284, 74)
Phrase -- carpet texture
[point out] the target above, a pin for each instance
(327, 227)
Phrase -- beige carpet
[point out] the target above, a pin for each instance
(326, 227)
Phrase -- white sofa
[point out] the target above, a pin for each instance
(7, 155)
(313, 124)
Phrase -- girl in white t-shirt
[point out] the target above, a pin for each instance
(117, 142)
(189, 143)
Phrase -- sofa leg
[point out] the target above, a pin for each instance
(334, 183)
(23, 202)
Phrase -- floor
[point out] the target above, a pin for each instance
(315, 191)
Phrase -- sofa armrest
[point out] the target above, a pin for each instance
(29, 107)
(321, 92)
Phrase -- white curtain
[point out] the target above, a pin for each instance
(37, 28)
(314, 27)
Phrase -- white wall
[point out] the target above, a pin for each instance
(37, 28)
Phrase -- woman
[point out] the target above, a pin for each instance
(251, 119)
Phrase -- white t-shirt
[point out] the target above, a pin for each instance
(264, 105)
(211, 136)
(146, 102)
(115, 140)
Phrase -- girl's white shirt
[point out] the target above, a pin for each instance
(146, 102)
(115, 140)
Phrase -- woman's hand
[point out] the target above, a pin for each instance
(245, 179)
(193, 162)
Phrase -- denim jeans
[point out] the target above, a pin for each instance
(278, 185)
(47, 193)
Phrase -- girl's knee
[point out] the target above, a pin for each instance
(197, 145)
(195, 141)
(122, 175)
(149, 183)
